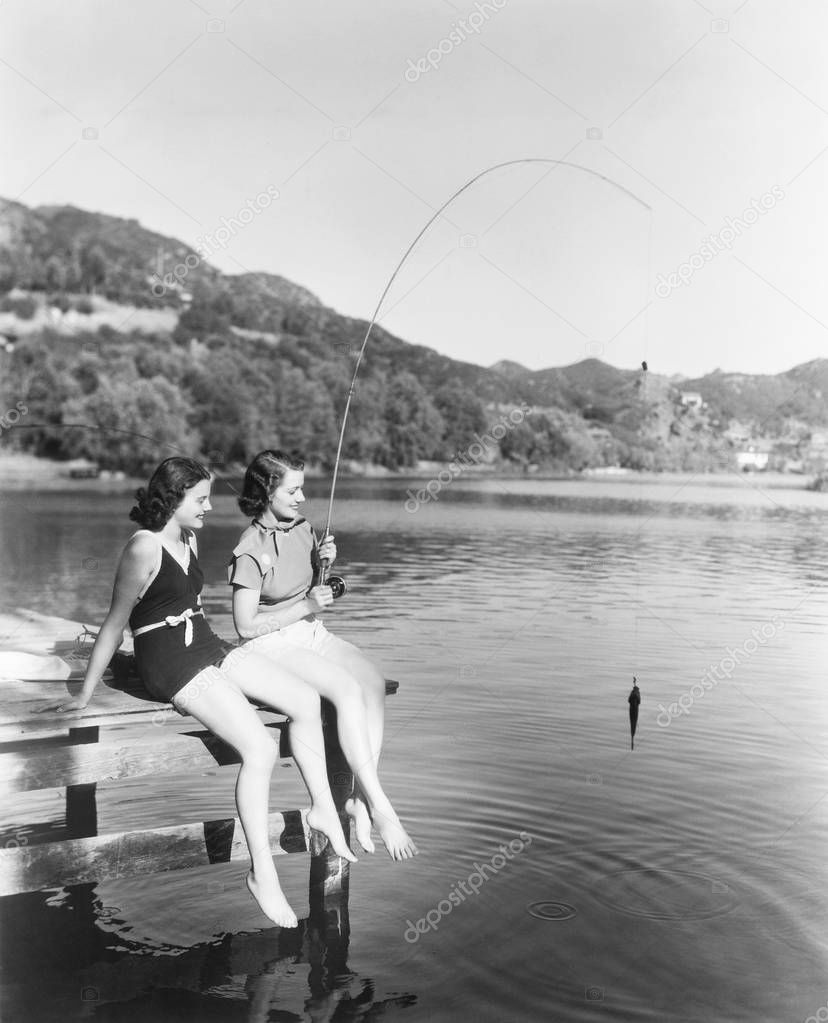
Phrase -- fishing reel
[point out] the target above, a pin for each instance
(336, 582)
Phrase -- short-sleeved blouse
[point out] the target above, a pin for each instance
(279, 562)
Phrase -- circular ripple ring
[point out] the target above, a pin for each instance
(551, 910)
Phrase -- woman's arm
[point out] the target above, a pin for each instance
(250, 622)
(137, 562)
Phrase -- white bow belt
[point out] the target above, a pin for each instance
(171, 621)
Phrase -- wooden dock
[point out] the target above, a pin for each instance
(79, 752)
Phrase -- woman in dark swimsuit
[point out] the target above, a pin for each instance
(180, 659)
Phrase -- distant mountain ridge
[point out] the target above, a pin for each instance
(588, 413)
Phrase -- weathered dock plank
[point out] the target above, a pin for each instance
(163, 753)
(146, 851)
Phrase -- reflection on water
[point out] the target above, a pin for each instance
(515, 615)
(103, 971)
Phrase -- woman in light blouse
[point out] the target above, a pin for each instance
(275, 608)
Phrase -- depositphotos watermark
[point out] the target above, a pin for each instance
(210, 243)
(11, 417)
(713, 245)
(715, 673)
(197, 685)
(462, 889)
(473, 455)
(820, 1016)
(459, 33)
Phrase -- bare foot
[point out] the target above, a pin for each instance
(358, 812)
(328, 824)
(271, 901)
(394, 836)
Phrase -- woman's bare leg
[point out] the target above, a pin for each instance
(351, 658)
(215, 699)
(279, 687)
(345, 692)
(224, 709)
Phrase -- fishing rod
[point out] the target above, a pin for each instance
(372, 323)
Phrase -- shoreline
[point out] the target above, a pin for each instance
(19, 469)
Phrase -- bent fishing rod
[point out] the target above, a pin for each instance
(372, 323)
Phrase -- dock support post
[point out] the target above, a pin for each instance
(82, 800)
(329, 873)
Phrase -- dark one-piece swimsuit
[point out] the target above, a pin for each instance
(170, 612)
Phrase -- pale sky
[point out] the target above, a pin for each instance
(177, 112)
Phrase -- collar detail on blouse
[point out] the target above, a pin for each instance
(267, 530)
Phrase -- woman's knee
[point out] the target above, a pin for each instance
(363, 668)
(260, 751)
(346, 690)
(373, 682)
(304, 703)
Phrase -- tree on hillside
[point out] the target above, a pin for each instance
(365, 431)
(156, 357)
(57, 274)
(463, 416)
(537, 439)
(208, 314)
(129, 424)
(221, 403)
(93, 263)
(414, 426)
(302, 416)
(39, 376)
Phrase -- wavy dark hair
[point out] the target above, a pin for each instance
(263, 476)
(165, 491)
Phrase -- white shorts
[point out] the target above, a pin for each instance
(306, 634)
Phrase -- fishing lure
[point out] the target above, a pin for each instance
(634, 700)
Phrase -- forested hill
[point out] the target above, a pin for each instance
(124, 345)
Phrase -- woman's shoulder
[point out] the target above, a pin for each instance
(252, 541)
(143, 547)
(143, 541)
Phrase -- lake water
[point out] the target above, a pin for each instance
(684, 881)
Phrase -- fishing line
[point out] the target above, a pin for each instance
(103, 429)
(407, 253)
(645, 417)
